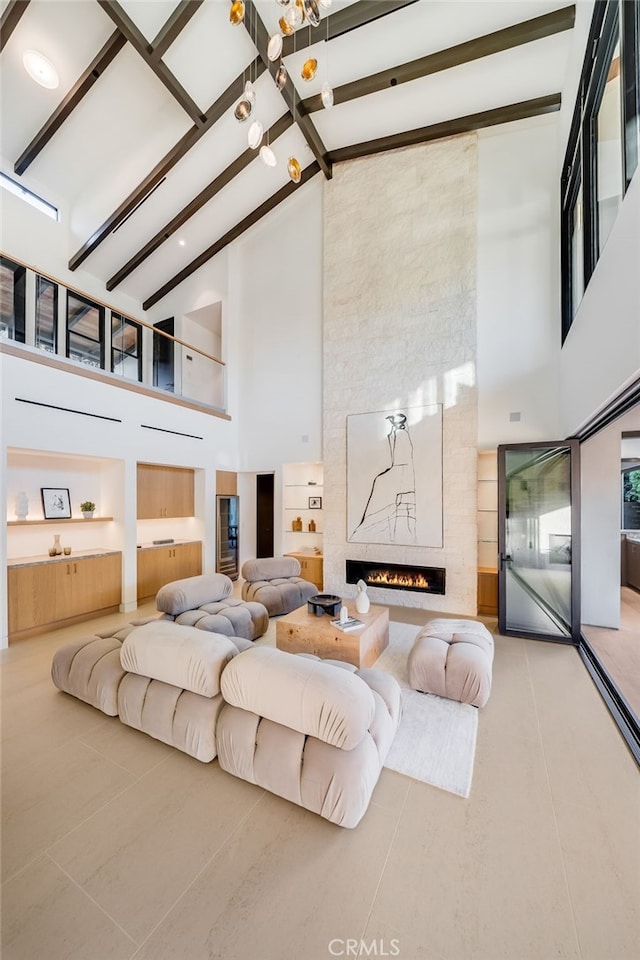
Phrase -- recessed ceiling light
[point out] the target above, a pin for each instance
(40, 69)
(182, 243)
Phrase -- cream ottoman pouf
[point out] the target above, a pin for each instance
(453, 659)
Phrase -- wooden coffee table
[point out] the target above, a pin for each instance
(302, 632)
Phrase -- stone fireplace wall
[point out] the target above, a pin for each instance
(400, 329)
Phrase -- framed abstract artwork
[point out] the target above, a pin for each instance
(394, 476)
(56, 504)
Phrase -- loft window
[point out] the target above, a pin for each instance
(12, 300)
(126, 347)
(608, 158)
(603, 146)
(46, 335)
(85, 330)
(29, 196)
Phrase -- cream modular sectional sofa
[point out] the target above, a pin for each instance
(314, 732)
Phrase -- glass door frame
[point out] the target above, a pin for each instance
(573, 447)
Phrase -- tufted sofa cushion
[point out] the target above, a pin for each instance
(307, 695)
(453, 659)
(232, 617)
(181, 595)
(275, 582)
(270, 568)
(287, 699)
(182, 656)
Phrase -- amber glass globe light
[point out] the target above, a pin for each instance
(243, 110)
(309, 68)
(294, 170)
(285, 27)
(236, 13)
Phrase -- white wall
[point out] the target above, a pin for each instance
(600, 522)
(518, 282)
(400, 331)
(116, 445)
(602, 351)
(276, 304)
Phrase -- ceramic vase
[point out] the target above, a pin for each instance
(362, 600)
(22, 505)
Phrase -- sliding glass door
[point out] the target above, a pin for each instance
(538, 540)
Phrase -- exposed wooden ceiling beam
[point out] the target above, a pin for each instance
(173, 27)
(141, 45)
(232, 235)
(10, 17)
(343, 21)
(536, 29)
(258, 33)
(197, 203)
(81, 87)
(177, 152)
(449, 128)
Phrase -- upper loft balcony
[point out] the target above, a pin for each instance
(177, 359)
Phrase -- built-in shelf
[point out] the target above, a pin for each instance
(309, 533)
(306, 486)
(33, 523)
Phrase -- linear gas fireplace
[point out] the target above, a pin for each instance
(396, 576)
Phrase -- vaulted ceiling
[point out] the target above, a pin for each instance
(139, 146)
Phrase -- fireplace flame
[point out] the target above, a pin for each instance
(385, 578)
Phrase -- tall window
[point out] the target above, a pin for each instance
(12, 304)
(85, 330)
(608, 130)
(126, 347)
(603, 147)
(46, 314)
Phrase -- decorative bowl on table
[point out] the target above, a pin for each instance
(324, 603)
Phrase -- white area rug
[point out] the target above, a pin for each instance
(436, 738)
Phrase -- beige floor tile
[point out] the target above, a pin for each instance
(41, 719)
(391, 790)
(132, 749)
(43, 801)
(139, 853)
(285, 885)
(465, 877)
(602, 858)
(511, 695)
(576, 729)
(45, 915)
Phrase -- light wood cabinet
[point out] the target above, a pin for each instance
(487, 592)
(163, 564)
(62, 591)
(633, 564)
(165, 491)
(311, 567)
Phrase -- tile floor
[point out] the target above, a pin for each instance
(116, 846)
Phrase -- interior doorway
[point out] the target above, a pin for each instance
(264, 514)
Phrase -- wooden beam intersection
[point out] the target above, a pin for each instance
(173, 27)
(343, 21)
(232, 235)
(258, 33)
(140, 44)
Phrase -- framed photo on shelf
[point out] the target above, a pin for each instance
(56, 504)
(315, 503)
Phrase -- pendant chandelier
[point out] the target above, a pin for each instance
(291, 15)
